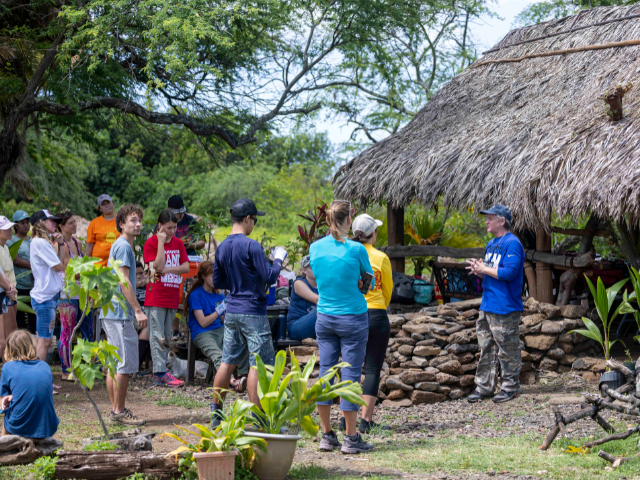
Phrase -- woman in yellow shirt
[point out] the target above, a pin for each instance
(102, 231)
(364, 231)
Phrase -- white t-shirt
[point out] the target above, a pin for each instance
(47, 282)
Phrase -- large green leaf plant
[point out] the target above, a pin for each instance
(289, 401)
(634, 278)
(604, 299)
(228, 435)
(95, 285)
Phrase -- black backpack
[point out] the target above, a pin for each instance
(402, 288)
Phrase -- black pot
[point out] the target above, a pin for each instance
(630, 365)
(613, 380)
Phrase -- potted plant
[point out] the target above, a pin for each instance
(215, 453)
(287, 404)
(603, 299)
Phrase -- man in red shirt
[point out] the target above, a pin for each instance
(167, 258)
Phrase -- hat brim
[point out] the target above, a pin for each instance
(487, 212)
(7, 226)
(260, 214)
(379, 223)
(19, 219)
(176, 211)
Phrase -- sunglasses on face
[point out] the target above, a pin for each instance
(352, 210)
(255, 220)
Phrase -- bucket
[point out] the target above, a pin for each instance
(613, 380)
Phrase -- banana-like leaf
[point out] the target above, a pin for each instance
(178, 450)
(13, 249)
(175, 437)
(263, 376)
(278, 369)
(23, 307)
(308, 425)
(261, 443)
(269, 403)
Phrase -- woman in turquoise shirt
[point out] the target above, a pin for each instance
(342, 327)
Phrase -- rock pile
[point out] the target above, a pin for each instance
(433, 354)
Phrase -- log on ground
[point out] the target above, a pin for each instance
(115, 464)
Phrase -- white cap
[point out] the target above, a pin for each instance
(365, 223)
(5, 224)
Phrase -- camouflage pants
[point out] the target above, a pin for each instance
(499, 341)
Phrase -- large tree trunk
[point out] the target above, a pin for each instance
(113, 465)
(627, 245)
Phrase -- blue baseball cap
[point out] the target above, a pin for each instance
(499, 210)
(19, 216)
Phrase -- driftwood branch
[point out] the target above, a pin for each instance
(616, 461)
(116, 464)
(615, 436)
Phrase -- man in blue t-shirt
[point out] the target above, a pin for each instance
(498, 327)
(242, 268)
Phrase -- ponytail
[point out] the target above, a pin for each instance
(337, 214)
(205, 269)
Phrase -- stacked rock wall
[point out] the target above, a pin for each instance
(433, 354)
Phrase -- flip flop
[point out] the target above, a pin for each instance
(56, 393)
(56, 387)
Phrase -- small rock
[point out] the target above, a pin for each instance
(457, 348)
(443, 389)
(406, 341)
(550, 310)
(467, 380)
(536, 355)
(452, 367)
(425, 343)
(573, 311)
(455, 329)
(555, 353)
(406, 350)
(531, 320)
(416, 328)
(588, 363)
(411, 377)
(566, 347)
(526, 366)
(439, 360)
(405, 402)
(591, 377)
(417, 337)
(426, 351)
(427, 386)
(395, 395)
(470, 313)
(419, 397)
(395, 383)
(469, 367)
(552, 327)
(540, 342)
(445, 379)
(528, 378)
(568, 360)
(466, 358)
(420, 361)
(548, 364)
(447, 310)
(463, 337)
(526, 356)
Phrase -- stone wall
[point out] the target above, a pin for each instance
(433, 353)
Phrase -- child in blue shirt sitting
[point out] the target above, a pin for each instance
(206, 306)
(26, 390)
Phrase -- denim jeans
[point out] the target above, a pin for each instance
(46, 316)
(247, 332)
(303, 327)
(346, 335)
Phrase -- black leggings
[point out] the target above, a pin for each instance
(377, 344)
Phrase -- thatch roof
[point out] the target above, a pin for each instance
(533, 134)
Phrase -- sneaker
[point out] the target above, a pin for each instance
(503, 396)
(355, 445)
(216, 415)
(329, 441)
(342, 426)
(366, 427)
(477, 396)
(167, 380)
(239, 384)
(126, 418)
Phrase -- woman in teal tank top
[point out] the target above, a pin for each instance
(342, 327)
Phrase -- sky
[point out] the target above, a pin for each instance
(488, 32)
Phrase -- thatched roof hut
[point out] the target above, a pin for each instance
(532, 134)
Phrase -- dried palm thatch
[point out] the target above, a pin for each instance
(533, 134)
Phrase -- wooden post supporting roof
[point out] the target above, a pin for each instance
(543, 270)
(395, 234)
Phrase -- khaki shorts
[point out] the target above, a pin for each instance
(122, 335)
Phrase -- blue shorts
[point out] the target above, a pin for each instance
(247, 332)
(344, 335)
(45, 316)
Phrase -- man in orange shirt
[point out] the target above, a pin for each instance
(102, 231)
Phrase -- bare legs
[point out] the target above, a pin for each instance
(223, 379)
(117, 392)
